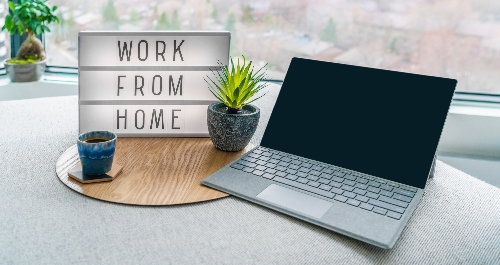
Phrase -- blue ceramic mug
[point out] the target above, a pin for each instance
(96, 150)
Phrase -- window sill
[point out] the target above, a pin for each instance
(471, 129)
(51, 85)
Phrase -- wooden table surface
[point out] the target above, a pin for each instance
(156, 171)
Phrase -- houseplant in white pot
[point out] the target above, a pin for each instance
(31, 17)
(233, 121)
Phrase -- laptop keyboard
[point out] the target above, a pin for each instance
(369, 193)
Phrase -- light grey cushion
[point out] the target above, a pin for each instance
(44, 222)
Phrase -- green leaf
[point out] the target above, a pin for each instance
(9, 22)
(12, 6)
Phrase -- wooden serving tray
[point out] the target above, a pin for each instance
(156, 171)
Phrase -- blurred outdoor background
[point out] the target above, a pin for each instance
(450, 38)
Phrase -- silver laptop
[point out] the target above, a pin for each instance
(347, 148)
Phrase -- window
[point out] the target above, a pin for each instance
(456, 39)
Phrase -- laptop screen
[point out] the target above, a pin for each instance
(378, 122)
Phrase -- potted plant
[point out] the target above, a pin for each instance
(31, 17)
(233, 121)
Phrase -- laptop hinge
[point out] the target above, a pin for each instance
(433, 167)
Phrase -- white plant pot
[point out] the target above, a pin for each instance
(25, 72)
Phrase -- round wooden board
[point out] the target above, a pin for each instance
(156, 171)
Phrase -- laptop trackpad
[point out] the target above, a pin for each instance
(296, 201)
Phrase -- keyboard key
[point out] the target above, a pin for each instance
(260, 162)
(393, 201)
(262, 168)
(314, 172)
(323, 181)
(359, 191)
(338, 174)
(313, 184)
(347, 187)
(402, 192)
(353, 202)
(267, 154)
(280, 168)
(313, 178)
(265, 158)
(283, 164)
(366, 206)
(379, 211)
(381, 181)
(386, 206)
(257, 151)
(386, 187)
(268, 176)
(258, 172)
(292, 166)
(301, 174)
(374, 190)
(335, 184)
(394, 215)
(386, 193)
(362, 198)
(361, 180)
(325, 187)
(393, 184)
(374, 184)
(372, 195)
(249, 159)
(349, 182)
(274, 161)
(326, 176)
(292, 177)
(408, 189)
(291, 171)
(401, 198)
(361, 186)
(328, 171)
(237, 166)
(295, 162)
(246, 163)
(270, 165)
(276, 156)
(349, 194)
(270, 170)
(286, 159)
(302, 180)
(317, 168)
(304, 187)
(304, 169)
(247, 169)
(254, 155)
(337, 179)
(307, 165)
(350, 177)
(336, 190)
(281, 174)
(340, 198)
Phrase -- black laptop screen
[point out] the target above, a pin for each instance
(378, 122)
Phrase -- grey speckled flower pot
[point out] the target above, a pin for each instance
(25, 72)
(231, 132)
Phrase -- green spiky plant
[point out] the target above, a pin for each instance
(236, 87)
(31, 17)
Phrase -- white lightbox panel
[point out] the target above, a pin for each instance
(147, 82)
(103, 85)
(151, 120)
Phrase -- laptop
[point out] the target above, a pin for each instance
(347, 148)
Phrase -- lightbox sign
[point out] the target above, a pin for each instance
(148, 84)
